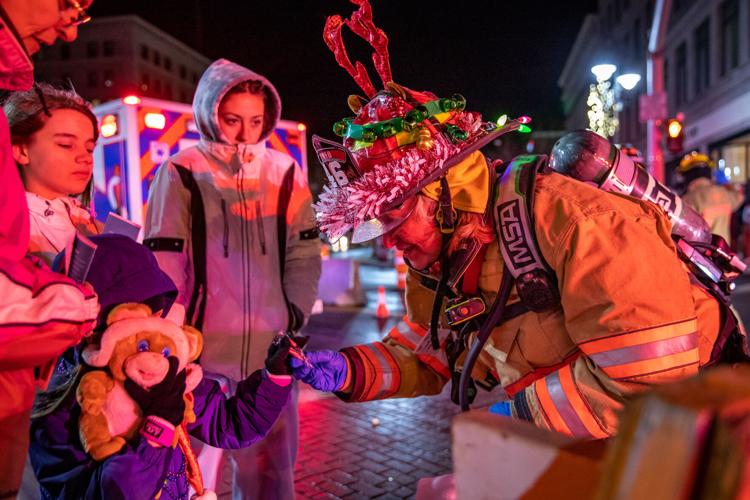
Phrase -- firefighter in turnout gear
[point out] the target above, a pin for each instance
(571, 298)
(715, 203)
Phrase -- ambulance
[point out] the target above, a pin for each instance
(137, 134)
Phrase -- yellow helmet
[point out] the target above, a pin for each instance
(695, 159)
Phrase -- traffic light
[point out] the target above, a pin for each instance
(675, 135)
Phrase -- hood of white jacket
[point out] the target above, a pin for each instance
(216, 81)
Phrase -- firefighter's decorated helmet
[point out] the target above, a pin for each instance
(398, 141)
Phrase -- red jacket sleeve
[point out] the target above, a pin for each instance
(42, 313)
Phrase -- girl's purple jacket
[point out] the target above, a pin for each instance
(140, 470)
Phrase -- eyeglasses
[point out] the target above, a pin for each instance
(82, 16)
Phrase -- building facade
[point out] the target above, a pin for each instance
(121, 55)
(706, 70)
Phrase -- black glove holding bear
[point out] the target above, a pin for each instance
(165, 399)
(278, 352)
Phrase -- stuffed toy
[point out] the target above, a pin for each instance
(136, 345)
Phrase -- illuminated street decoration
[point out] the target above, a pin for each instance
(602, 112)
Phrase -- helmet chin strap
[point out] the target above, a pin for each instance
(446, 217)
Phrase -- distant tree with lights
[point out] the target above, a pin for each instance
(602, 108)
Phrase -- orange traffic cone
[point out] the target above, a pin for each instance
(401, 270)
(382, 310)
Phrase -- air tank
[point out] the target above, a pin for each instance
(589, 157)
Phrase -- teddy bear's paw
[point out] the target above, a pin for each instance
(92, 406)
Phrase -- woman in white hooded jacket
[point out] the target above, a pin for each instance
(230, 220)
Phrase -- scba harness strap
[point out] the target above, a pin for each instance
(514, 225)
(524, 266)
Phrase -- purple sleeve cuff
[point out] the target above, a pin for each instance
(280, 380)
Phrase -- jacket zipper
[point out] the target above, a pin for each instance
(226, 228)
(261, 232)
(245, 263)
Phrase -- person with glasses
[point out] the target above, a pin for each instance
(42, 313)
(42, 22)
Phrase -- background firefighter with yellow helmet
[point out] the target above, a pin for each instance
(715, 203)
(612, 312)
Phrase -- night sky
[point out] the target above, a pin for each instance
(503, 56)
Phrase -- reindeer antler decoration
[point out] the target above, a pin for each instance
(362, 25)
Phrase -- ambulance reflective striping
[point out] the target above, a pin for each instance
(276, 143)
(637, 337)
(171, 136)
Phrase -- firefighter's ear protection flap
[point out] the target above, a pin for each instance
(535, 282)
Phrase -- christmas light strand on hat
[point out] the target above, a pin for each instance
(399, 140)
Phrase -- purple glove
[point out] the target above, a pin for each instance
(324, 370)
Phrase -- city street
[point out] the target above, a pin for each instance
(213, 154)
(343, 453)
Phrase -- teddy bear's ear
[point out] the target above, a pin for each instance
(195, 340)
(128, 311)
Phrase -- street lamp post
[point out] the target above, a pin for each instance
(655, 102)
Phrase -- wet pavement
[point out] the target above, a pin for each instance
(378, 449)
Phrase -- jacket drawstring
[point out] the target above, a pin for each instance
(226, 228)
(261, 232)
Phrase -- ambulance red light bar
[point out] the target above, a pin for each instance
(132, 100)
(108, 127)
(155, 120)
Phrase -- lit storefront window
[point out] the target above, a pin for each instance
(733, 159)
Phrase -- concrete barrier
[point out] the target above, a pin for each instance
(498, 457)
(339, 283)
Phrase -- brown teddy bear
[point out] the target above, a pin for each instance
(135, 345)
